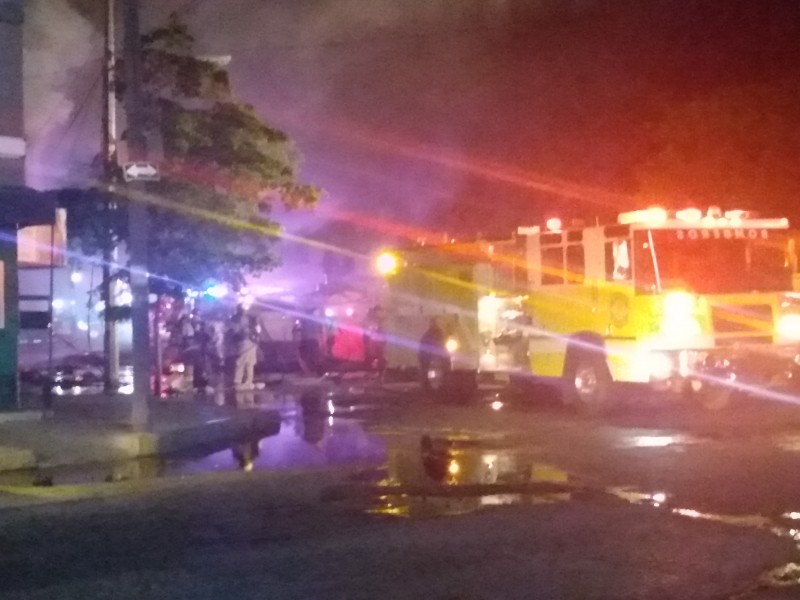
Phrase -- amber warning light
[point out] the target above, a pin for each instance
(387, 263)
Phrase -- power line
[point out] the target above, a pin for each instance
(59, 71)
(84, 115)
(81, 107)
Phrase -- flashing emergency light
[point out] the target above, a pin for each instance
(714, 216)
(690, 215)
(387, 263)
(553, 224)
(651, 216)
(219, 290)
(451, 345)
(737, 215)
(788, 326)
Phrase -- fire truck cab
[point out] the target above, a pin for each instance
(690, 301)
(697, 302)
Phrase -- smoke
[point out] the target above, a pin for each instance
(316, 69)
(62, 86)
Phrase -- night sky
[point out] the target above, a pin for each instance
(481, 115)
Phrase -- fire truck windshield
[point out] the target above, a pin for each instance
(712, 261)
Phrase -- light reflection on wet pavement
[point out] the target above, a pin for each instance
(307, 436)
(656, 439)
(420, 476)
(301, 443)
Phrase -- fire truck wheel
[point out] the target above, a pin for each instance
(587, 384)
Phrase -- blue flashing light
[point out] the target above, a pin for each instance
(217, 291)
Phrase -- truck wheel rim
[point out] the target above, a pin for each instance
(586, 382)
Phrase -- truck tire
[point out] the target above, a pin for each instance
(587, 383)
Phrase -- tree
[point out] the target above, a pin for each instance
(223, 170)
(736, 147)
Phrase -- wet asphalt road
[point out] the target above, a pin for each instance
(357, 496)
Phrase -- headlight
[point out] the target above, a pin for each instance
(680, 315)
(788, 326)
(451, 345)
(679, 304)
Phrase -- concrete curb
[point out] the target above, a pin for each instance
(182, 439)
(77, 441)
(16, 417)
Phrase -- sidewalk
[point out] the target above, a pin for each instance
(87, 429)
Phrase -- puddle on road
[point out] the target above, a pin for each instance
(458, 474)
(309, 436)
(428, 506)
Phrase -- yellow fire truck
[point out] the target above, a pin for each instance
(700, 302)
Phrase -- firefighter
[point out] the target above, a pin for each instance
(432, 352)
(244, 337)
(375, 339)
(309, 332)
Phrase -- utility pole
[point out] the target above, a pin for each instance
(110, 340)
(137, 220)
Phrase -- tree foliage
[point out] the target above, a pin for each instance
(208, 137)
(734, 147)
(222, 171)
